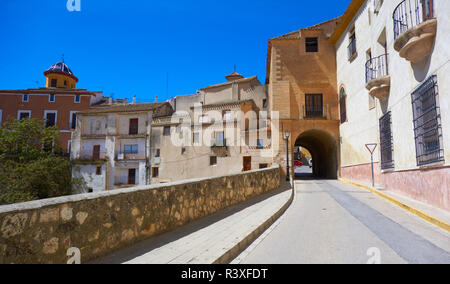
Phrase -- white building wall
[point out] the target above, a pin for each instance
(363, 123)
(362, 126)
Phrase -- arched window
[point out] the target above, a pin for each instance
(342, 104)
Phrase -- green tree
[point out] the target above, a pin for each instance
(29, 169)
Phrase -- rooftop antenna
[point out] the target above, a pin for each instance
(63, 58)
(234, 68)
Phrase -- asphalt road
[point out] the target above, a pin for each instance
(333, 222)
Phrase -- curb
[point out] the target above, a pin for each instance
(234, 252)
(431, 219)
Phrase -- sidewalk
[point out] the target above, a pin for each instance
(431, 214)
(214, 239)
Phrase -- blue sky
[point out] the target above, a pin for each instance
(128, 47)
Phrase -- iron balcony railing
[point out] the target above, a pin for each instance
(411, 13)
(315, 111)
(92, 156)
(377, 68)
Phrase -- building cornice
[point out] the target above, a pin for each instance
(348, 16)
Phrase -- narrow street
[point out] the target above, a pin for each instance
(333, 222)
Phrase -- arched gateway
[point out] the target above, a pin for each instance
(324, 150)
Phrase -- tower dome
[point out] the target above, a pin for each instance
(234, 76)
(59, 75)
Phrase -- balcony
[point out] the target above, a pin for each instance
(96, 158)
(219, 148)
(414, 29)
(218, 143)
(315, 112)
(378, 81)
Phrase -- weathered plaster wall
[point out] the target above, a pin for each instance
(99, 223)
(89, 174)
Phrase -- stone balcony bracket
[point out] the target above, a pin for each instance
(380, 87)
(417, 43)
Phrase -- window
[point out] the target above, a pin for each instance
(25, 98)
(50, 118)
(134, 126)
(196, 137)
(220, 139)
(130, 149)
(77, 99)
(227, 115)
(427, 123)
(166, 131)
(352, 45)
(343, 105)
(54, 83)
(387, 161)
(377, 5)
(213, 160)
(155, 172)
(23, 114)
(260, 144)
(314, 105)
(73, 120)
(183, 150)
(312, 44)
(98, 171)
(203, 119)
(264, 103)
(263, 166)
(51, 98)
(158, 153)
(65, 83)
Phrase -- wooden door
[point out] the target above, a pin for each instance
(247, 163)
(134, 126)
(132, 176)
(96, 152)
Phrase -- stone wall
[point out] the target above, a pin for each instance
(99, 223)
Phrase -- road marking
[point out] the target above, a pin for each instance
(431, 219)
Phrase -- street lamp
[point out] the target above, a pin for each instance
(286, 136)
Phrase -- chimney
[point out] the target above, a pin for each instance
(134, 99)
(156, 99)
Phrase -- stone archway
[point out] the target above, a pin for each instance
(324, 151)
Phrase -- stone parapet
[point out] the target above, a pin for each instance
(100, 223)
